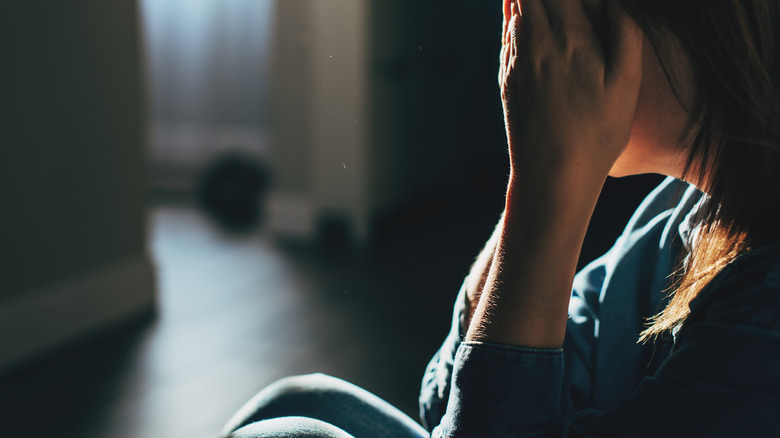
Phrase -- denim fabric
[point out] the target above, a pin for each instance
(317, 405)
(716, 378)
(483, 368)
(290, 427)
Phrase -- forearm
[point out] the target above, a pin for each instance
(525, 298)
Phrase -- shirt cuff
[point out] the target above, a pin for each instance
(500, 390)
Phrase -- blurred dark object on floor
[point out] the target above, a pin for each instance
(231, 190)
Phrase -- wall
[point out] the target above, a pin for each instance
(72, 246)
(424, 63)
(319, 116)
(377, 105)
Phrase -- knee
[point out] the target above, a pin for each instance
(290, 427)
(302, 384)
(302, 387)
(287, 396)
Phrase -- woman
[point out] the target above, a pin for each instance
(684, 88)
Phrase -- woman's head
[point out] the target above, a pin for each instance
(722, 59)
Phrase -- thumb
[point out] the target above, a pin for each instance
(507, 17)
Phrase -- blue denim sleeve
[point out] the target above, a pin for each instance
(483, 403)
(720, 381)
(582, 326)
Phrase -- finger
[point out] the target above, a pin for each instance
(503, 24)
(624, 59)
(507, 13)
(512, 43)
(502, 65)
(514, 31)
(505, 39)
(507, 53)
(508, 5)
(508, 8)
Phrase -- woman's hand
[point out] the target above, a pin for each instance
(568, 100)
(569, 106)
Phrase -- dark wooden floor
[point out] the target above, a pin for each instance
(237, 312)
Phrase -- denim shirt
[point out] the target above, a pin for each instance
(718, 376)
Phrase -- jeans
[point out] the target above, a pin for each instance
(319, 406)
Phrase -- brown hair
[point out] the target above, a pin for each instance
(734, 48)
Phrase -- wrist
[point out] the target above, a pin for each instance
(526, 297)
(542, 209)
